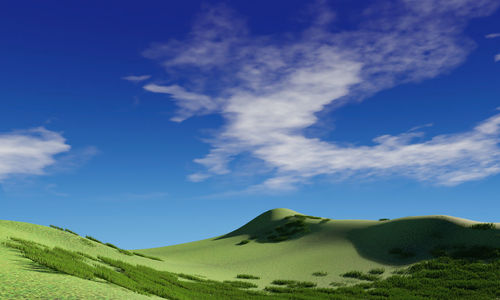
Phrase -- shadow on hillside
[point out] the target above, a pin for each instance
(265, 229)
(403, 242)
(259, 231)
(32, 266)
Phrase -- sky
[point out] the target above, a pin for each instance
(157, 123)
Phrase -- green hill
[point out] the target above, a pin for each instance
(278, 244)
(332, 246)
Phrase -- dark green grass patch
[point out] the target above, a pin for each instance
(314, 218)
(126, 252)
(275, 289)
(240, 284)
(63, 229)
(295, 225)
(483, 226)
(122, 251)
(243, 242)
(86, 242)
(282, 282)
(360, 275)
(377, 271)
(86, 255)
(112, 246)
(383, 219)
(247, 276)
(147, 256)
(56, 227)
(72, 232)
(477, 252)
(190, 277)
(293, 284)
(93, 239)
(320, 274)
(337, 283)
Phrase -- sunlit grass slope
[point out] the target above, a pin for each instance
(20, 278)
(326, 245)
(280, 244)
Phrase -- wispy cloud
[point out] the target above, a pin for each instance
(189, 103)
(492, 35)
(136, 78)
(29, 152)
(269, 89)
(74, 159)
(496, 58)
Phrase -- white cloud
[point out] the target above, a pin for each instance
(136, 78)
(29, 152)
(188, 102)
(492, 35)
(496, 58)
(270, 89)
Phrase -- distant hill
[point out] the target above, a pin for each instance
(329, 245)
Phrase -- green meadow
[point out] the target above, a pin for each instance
(280, 254)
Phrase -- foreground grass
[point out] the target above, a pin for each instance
(137, 278)
(459, 273)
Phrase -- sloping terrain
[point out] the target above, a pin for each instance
(278, 244)
(332, 246)
(20, 278)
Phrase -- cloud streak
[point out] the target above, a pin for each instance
(270, 89)
(136, 78)
(29, 152)
(496, 58)
(492, 35)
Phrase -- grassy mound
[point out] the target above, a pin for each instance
(137, 278)
(441, 278)
(331, 247)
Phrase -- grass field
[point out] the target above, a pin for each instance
(335, 247)
(301, 247)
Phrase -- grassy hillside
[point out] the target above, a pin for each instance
(22, 279)
(327, 245)
(278, 245)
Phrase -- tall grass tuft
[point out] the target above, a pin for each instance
(360, 275)
(240, 284)
(483, 226)
(292, 284)
(57, 227)
(377, 271)
(247, 276)
(72, 232)
(147, 256)
(112, 246)
(93, 239)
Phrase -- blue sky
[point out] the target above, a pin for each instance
(159, 123)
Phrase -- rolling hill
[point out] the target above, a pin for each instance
(332, 246)
(278, 244)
